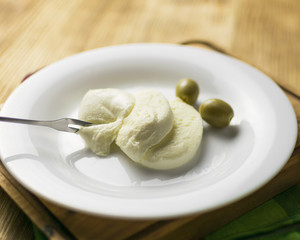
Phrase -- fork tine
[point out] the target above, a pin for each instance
(68, 124)
(78, 122)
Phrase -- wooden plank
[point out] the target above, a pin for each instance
(11, 215)
(268, 37)
(55, 29)
(264, 35)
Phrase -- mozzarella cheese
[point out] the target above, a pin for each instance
(181, 144)
(107, 108)
(149, 122)
(105, 105)
(147, 128)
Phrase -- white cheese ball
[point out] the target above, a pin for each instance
(181, 144)
(107, 108)
(149, 122)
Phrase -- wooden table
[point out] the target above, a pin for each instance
(35, 33)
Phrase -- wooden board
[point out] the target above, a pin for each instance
(35, 33)
(12, 215)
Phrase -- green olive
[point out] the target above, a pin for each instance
(216, 112)
(188, 90)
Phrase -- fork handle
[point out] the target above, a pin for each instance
(24, 121)
(63, 124)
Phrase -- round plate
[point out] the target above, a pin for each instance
(230, 164)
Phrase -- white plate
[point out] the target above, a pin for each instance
(231, 163)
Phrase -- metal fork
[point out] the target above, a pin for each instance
(63, 124)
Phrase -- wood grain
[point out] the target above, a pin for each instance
(33, 207)
(12, 215)
(35, 33)
(268, 38)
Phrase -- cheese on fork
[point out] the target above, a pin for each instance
(106, 108)
(105, 105)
